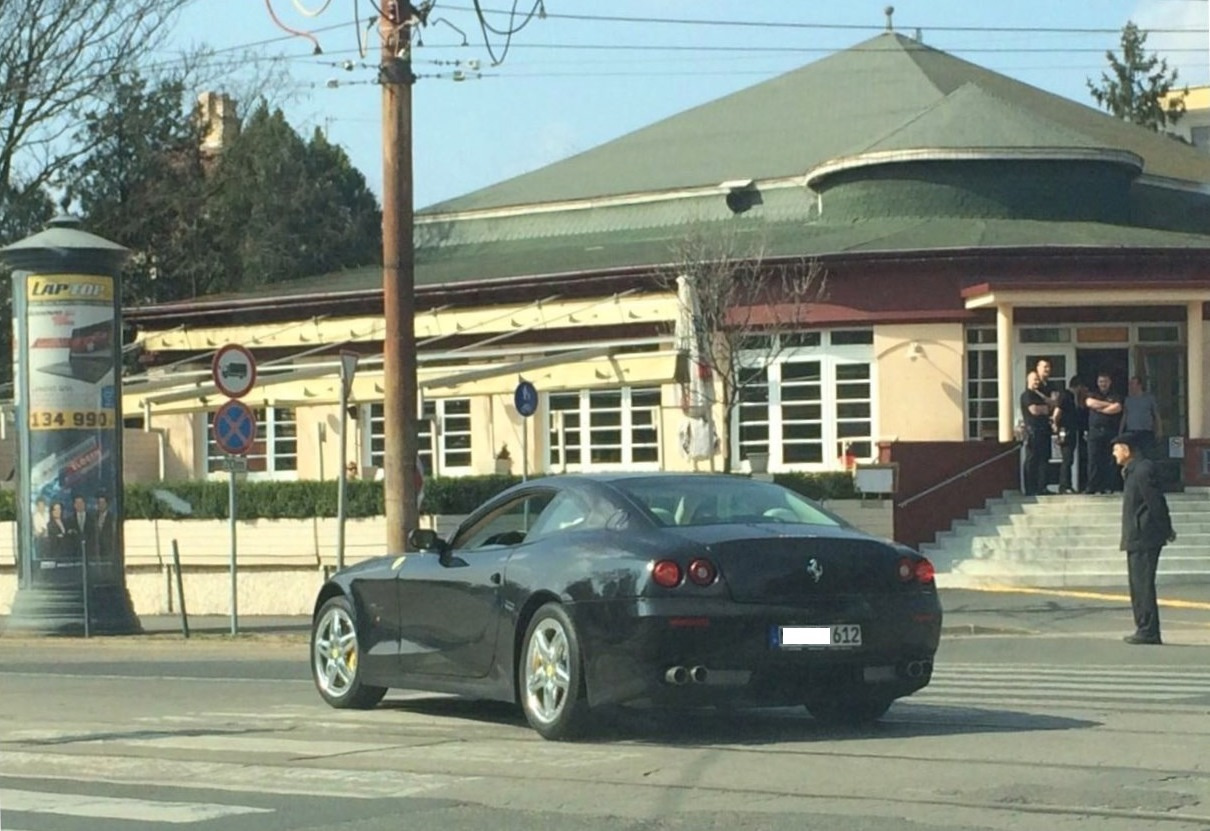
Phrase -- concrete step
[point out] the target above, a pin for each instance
(1059, 538)
(1067, 540)
(1029, 579)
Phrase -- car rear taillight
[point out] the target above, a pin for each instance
(905, 569)
(702, 572)
(925, 571)
(666, 573)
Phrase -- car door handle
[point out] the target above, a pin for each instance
(496, 578)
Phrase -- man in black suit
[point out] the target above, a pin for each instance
(1146, 527)
(104, 530)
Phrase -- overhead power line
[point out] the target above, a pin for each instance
(779, 24)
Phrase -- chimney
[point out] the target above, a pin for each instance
(216, 114)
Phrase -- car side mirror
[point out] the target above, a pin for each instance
(426, 539)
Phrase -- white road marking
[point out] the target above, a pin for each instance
(107, 807)
(223, 776)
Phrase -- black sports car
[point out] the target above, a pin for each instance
(567, 593)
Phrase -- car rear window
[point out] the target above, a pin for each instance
(722, 500)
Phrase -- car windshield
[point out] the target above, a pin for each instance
(722, 500)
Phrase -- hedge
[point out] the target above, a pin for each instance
(304, 500)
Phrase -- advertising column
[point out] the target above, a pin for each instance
(67, 396)
(74, 434)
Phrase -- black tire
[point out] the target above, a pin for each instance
(550, 676)
(849, 709)
(336, 659)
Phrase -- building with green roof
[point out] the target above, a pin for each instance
(967, 224)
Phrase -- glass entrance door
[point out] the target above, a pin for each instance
(1162, 369)
(1062, 360)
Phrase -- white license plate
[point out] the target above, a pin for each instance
(845, 634)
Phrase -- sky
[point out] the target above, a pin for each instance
(567, 84)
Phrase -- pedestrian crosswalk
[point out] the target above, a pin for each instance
(1105, 687)
(230, 768)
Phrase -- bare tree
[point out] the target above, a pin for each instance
(54, 58)
(742, 308)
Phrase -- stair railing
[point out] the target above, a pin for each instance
(962, 474)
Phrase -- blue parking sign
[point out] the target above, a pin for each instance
(525, 397)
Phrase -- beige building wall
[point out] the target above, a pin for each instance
(920, 381)
(319, 459)
(1205, 383)
(503, 427)
(181, 445)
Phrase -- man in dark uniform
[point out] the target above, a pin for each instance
(1104, 417)
(1035, 413)
(1146, 526)
(1071, 423)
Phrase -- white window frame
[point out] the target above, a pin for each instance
(830, 358)
(978, 428)
(433, 436)
(644, 418)
(271, 433)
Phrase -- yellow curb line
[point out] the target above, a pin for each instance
(1124, 598)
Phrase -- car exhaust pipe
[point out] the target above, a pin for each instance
(699, 674)
(676, 675)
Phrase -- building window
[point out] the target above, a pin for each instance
(443, 436)
(809, 404)
(274, 453)
(982, 384)
(604, 429)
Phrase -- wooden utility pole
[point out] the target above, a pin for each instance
(398, 274)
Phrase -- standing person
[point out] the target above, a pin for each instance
(104, 531)
(79, 527)
(1141, 415)
(1104, 416)
(1048, 387)
(1035, 412)
(58, 544)
(1070, 421)
(1146, 527)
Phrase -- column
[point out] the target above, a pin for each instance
(1004, 368)
(1196, 340)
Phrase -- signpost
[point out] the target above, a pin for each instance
(525, 399)
(234, 430)
(348, 368)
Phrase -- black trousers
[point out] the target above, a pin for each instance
(1102, 469)
(1141, 565)
(1037, 457)
(1070, 460)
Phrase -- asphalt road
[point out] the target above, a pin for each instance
(1038, 717)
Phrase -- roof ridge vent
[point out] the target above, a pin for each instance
(889, 11)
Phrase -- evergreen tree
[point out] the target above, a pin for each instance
(1137, 86)
(142, 184)
(289, 208)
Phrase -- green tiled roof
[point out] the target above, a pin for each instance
(971, 117)
(887, 95)
(839, 106)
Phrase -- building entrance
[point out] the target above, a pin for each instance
(1092, 362)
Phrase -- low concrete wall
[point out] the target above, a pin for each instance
(280, 563)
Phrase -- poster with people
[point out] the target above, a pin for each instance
(71, 356)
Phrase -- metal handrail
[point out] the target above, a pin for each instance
(1016, 448)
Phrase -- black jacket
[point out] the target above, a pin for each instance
(1146, 523)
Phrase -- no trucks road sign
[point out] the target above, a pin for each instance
(234, 370)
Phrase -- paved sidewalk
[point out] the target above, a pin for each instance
(989, 611)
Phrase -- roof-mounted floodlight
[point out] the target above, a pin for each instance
(740, 194)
